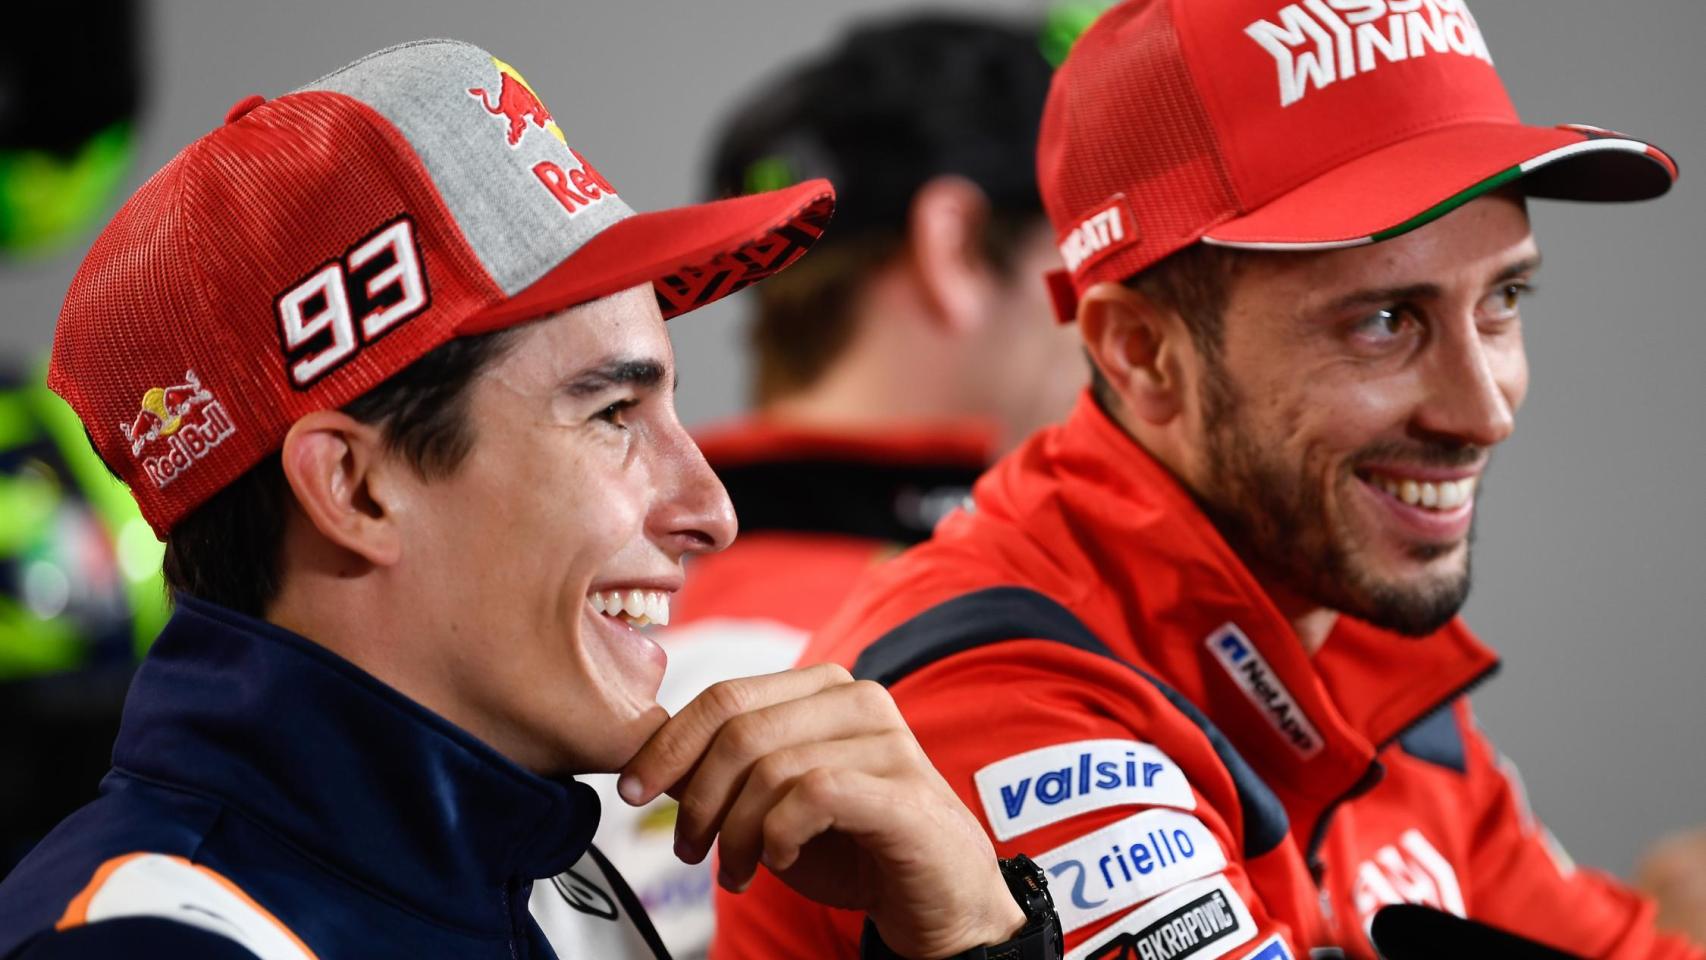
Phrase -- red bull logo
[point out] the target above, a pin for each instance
(517, 105)
(167, 422)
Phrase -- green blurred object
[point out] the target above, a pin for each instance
(46, 199)
(72, 83)
(768, 173)
(80, 583)
(1065, 23)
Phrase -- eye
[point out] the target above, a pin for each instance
(1504, 302)
(615, 413)
(1385, 324)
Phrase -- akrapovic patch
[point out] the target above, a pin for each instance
(1127, 862)
(1201, 920)
(1044, 786)
(1251, 673)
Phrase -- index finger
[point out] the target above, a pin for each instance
(667, 759)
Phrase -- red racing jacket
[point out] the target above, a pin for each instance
(1104, 683)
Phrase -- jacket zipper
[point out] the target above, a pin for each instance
(1375, 772)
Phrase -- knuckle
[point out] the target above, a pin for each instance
(834, 673)
(819, 785)
(725, 699)
(746, 736)
(772, 773)
(874, 700)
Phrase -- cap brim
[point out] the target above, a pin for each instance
(1401, 187)
(691, 255)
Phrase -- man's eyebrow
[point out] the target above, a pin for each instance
(615, 373)
(1424, 291)
(1379, 295)
(1517, 269)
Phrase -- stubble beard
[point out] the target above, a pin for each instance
(1278, 523)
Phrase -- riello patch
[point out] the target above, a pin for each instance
(1034, 789)
(1127, 862)
(1201, 920)
(1251, 672)
(175, 427)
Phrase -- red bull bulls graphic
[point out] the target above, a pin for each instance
(517, 105)
(182, 422)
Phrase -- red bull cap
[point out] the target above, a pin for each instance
(316, 244)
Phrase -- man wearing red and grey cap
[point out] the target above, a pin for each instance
(383, 361)
(1197, 650)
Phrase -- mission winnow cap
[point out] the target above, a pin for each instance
(1293, 126)
(316, 244)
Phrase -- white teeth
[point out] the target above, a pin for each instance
(1444, 495)
(638, 607)
(657, 608)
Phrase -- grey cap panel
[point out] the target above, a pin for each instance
(515, 224)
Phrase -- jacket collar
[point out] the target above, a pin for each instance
(1132, 548)
(891, 484)
(345, 767)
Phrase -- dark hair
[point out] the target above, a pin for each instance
(1195, 283)
(897, 102)
(805, 313)
(227, 550)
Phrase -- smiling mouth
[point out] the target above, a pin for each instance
(1442, 496)
(636, 608)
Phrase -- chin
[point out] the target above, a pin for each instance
(1417, 602)
(619, 739)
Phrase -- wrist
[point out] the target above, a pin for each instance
(1006, 922)
(1020, 924)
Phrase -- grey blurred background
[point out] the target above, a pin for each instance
(1589, 569)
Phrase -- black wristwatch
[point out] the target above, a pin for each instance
(1039, 939)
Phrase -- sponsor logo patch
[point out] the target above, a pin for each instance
(516, 105)
(1273, 948)
(1197, 921)
(1128, 862)
(1099, 234)
(519, 110)
(175, 427)
(1316, 43)
(1253, 675)
(1409, 871)
(1040, 787)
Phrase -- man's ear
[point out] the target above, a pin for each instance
(945, 228)
(1138, 346)
(336, 466)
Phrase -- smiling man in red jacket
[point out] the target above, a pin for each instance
(1196, 651)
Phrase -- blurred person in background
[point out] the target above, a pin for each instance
(80, 599)
(890, 366)
(80, 589)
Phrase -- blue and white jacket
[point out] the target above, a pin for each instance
(268, 799)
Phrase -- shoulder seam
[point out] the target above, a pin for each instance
(1013, 613)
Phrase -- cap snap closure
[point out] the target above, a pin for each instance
(243, 106)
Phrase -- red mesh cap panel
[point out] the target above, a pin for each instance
(1124, 119)
(171, 346)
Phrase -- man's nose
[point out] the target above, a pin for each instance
(696, 514)
(1474, 386)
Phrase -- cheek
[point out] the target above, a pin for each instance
(597, 509)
